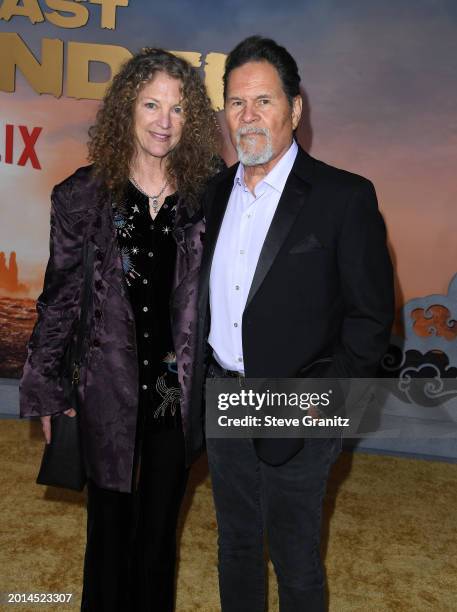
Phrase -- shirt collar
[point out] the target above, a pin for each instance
(277, 176)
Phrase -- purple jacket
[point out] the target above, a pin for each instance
(109, 376)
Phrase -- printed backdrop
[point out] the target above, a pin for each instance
(380, 89)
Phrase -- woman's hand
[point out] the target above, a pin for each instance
(46, 424)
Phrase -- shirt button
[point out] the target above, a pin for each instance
(146, 362)
(249, 216)
(150, 254)
(144, 387)
(146, 334)
(235, 325)
(241, 252)
(145, 308)
(237, 287)
(240, 359)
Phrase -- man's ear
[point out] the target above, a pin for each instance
(297, 105)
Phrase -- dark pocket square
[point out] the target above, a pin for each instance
(309, 243)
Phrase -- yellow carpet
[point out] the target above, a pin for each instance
(390, 533)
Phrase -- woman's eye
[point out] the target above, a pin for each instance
(150, 105)
(178, 109)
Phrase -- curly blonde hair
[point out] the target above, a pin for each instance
(112, 142)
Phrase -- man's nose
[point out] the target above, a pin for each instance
(249, 114)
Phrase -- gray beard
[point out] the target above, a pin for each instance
(254, 158)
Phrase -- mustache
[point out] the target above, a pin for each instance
(247, 130)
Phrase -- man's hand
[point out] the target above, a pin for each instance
(46, 424)
(314, 413)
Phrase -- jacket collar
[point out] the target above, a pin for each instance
(294, 197)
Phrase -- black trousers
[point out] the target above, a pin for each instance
(131, 537)
(281, 504)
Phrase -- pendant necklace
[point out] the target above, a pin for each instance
(154, 198)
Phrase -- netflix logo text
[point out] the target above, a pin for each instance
(18, 145)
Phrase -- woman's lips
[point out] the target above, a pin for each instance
(161, 137)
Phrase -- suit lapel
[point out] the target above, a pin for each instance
(216, 210)
(293, 198)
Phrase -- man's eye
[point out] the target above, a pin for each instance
(237, 103)
(264, 101)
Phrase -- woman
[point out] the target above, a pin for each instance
(153, 149)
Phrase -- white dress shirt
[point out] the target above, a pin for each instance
(241, 237)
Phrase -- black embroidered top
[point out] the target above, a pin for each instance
(148, 252)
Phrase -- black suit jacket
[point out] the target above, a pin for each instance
(321, 302)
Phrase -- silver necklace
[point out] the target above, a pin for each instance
(154, 198)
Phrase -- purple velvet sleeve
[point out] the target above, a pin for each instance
(57, 308)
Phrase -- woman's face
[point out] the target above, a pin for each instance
(159, 116)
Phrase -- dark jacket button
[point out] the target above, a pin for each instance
(97, 314)
(96, 342)
(98, 284)
(99, 255)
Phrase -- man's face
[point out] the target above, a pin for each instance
(259, 116)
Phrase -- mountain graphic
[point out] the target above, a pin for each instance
(9, 274)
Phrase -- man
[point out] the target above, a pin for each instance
(295, 280)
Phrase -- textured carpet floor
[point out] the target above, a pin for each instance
(390, 533)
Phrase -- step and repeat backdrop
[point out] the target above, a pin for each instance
(380, 93)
